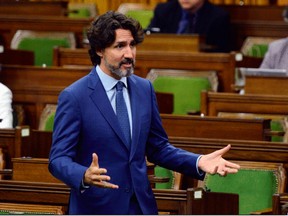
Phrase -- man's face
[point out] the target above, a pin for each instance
(190, 4)
(118, 60)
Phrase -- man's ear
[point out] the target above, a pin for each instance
(99, 53)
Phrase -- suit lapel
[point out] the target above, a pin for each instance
(135, 109)
(99, 94)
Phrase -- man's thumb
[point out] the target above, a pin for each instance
(95, 160)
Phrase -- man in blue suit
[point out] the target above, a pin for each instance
(105, 169)
(194, 17)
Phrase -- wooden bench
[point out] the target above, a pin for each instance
(163, 42)
(222, 63)
(249, 106)
(216, 127)
(47, 8)
(190, 201)
(213, 103)
(10, 23)
(269, 85)
(34, 87)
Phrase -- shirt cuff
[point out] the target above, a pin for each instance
(84, 186)
(199, 171)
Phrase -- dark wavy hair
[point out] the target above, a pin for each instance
(101, 33)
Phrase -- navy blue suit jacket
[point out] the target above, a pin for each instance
(212, 22)
(86, 123)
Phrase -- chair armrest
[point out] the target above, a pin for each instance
(267, 211)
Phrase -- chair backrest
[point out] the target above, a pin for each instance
(42, 43)
(143, 16)
(185, 85)
(143, 13)
(81, 10)
(256, 46)
(47, 117)
(256, 182)
(175, 178)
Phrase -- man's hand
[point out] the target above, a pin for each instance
(94, 175)
(214, 163)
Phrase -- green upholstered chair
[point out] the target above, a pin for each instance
(258, 50)
(82, 10)
(185, 85)
(175, 178)
(256, 182)
(42, 44)
(139, 11)
(142, 16)
(47, 117)
(79, 13)
(256, 46)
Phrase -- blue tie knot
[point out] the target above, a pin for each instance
(119, 86)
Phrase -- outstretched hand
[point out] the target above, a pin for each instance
(214, 163)
(95, 175)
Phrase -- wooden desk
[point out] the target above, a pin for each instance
(10, 23)
(33, 170)
(191, 201)
(222, 63)
(34, 87)
(216, 127)
(24, 7)
(213, 103)
(271, 85)
(172, 42)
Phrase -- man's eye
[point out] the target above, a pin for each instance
(119, 46)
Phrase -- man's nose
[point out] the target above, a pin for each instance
(128, 52)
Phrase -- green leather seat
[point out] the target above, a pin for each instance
(255, 185)
(42, 43)
(79, 13)
(258, 50)
(43, 48)
(49, 122)
(186, 90)
(142, 16)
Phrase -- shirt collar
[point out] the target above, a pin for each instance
(107, 81)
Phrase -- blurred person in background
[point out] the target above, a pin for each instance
(6, 112)
(194, 17)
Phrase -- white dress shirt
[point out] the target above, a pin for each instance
(6, 115)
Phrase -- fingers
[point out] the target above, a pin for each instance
(232, 165)
(223, 150)
(105, 184)
(96, 175)
(95, 160)
(227, 168)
